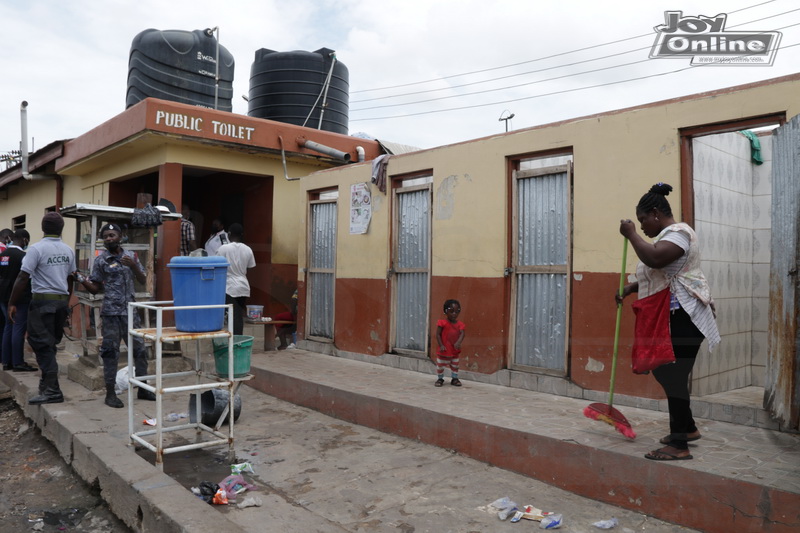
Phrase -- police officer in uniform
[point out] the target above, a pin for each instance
(48, 265)
(114, 272)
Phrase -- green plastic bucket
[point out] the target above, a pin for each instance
(242, 347)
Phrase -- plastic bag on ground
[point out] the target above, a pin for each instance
(505, 507)
(606, 524)
(207, 490)
(250, 501)
(220, 498)
(234, 484)
(551, 522)
(123, 380)
(242, 467)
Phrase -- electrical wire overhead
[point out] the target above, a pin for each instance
(451, 87)
(553, 78)
(592, 47)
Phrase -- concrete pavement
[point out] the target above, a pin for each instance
(743, 478)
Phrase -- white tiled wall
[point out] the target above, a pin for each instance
(732, 220)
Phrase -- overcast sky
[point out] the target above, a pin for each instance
(479, 60)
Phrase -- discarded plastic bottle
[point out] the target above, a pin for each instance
(552, 521)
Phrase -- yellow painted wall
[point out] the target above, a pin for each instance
(73, 194)
(286, 212)
(360, 256)
(467, 222)
(123, 167)
(617, 157)
(470, 214)
(31, 198)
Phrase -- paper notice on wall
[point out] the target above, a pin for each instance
(360, 208)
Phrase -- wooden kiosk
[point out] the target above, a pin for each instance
(88, 245)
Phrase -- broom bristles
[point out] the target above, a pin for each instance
(625, 430)
(588, 412)
(621, 427)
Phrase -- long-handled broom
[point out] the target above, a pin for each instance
(605, 412)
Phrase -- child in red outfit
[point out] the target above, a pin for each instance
(449, 334)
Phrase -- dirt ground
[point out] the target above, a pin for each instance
(38, 490)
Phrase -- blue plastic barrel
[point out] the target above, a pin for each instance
(198, 281)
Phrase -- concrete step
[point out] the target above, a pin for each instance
(741, 478)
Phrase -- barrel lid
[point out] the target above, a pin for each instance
(184, 261)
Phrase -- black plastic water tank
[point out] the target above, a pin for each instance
(289, 86)
(179, 65)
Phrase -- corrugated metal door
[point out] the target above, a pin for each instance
(321, 269)
(782, 375)
(540, 261)
(411, 269)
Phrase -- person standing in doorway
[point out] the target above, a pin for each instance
(449, 334)
(218, 237)
(48, 265)
(188, 233)
(13, 337)
(237, 288)
(672, 262)
(114, 272)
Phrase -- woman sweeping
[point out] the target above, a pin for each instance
(672, 262)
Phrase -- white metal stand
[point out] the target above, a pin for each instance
(203, 381)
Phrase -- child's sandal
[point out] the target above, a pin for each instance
(439, 382)
(455, 382)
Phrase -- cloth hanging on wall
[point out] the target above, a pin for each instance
(755, 147)
(379, 165)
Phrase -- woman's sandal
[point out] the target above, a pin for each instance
(664, 455)
(694, 436)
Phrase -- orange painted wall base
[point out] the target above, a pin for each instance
(363, 325)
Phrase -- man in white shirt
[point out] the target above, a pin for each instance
(217, 239)
(237, 288)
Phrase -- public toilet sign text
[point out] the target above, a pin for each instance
(183, 121)
(706, 42)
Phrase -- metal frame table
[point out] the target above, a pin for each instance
(203, 381)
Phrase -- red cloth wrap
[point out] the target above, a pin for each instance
(652, 343)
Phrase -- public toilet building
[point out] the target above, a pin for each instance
(223, 165)
(523, 229)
